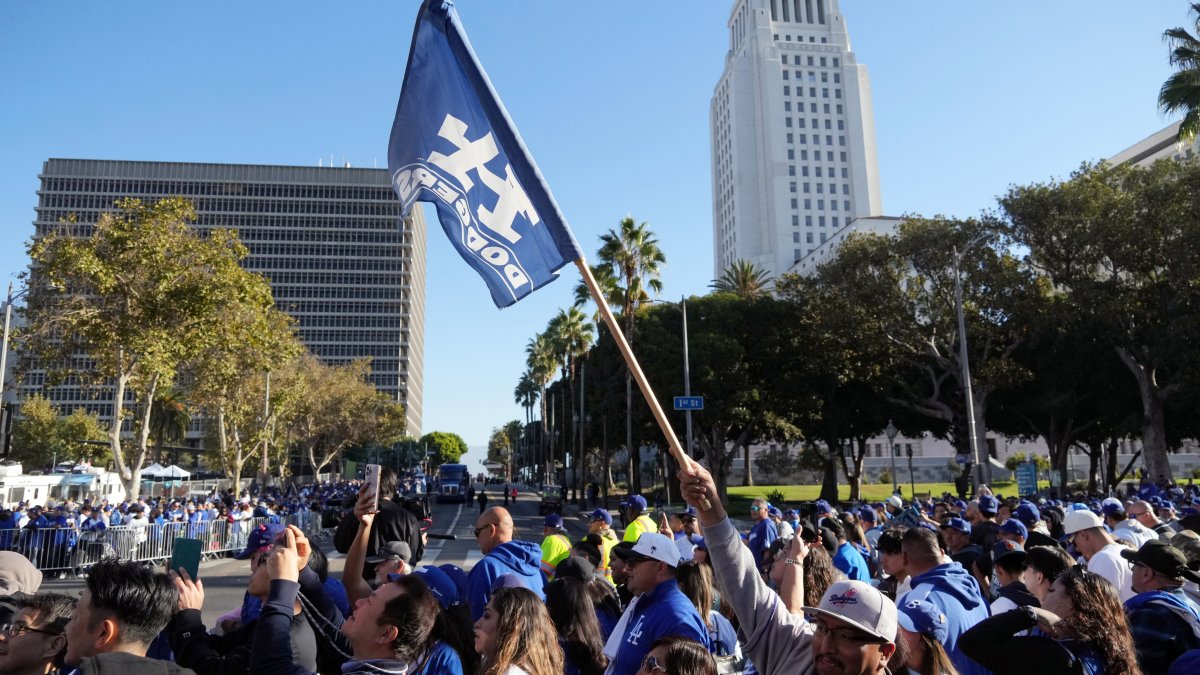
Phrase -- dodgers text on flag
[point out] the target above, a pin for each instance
(453, 144)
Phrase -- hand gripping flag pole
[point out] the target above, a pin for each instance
(454, 145)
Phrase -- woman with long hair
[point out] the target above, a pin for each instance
(923, 632)
(855, 534)
(676, 655)
(696, 582)
(574, 616)
(515, 635)
(819, 575)
(1084, 628)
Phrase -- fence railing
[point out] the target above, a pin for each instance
(70, 550)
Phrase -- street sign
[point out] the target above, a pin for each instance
(689, 403)
(1027, 478)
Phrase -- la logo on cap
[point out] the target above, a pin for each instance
(850, 597)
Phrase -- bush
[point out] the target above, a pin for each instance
(776, 497)
(885, 476)
(1196, 473)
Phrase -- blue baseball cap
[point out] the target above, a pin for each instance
(867, 513)
(602, 514)
(957, 524)
(553, 520)
(1004, 549)
(637, 502)
(790, 513)
(458, 576)
(774, 512)
(689, 512)
(1027, 513)
(1014, 526)
(988, 505)
(439, 583)
(260, 538)
(921, 616)
(823, 506)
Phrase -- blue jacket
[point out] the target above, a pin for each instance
(953, 590)
(851, 562)
(761, 536)
(519, 558)
(659, 613)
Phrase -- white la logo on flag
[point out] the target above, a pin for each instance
(475, 155)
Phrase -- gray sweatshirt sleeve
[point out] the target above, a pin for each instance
(777, 641)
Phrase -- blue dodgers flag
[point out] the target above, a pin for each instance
(453, 144)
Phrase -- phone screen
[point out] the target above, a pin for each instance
(372, 471)
(187, 555)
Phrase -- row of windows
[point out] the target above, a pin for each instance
(833, 204)
(339, 249)
(818, 171)
(820, 188)
(374, 321)
(823, 61)
(356, 351)
(345, 335)
(342, 307)
(293, 263)
(200, 189)
(801, 122)
(324, 231)
(812, 77)
(793, 10)
(812, 92)
(816, 138)
(289, 293)
(281, 228)
(808, 237)
(816, 155)
(808, 222)
(105, 202)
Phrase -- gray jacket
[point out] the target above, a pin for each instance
(777, 642)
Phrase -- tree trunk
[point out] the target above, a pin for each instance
(829, 481)
(719, 462)
(1154, 433)
(1110, 460)
(1093, 470)
(114, 431)
(134, 486)
(747, 470)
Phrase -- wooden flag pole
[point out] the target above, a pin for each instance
(631, 360)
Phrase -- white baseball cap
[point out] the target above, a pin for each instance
(1080, 520)
(652, 545)
(860, 605)
(895, 502)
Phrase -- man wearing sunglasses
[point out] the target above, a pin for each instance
(762, 533)
(1164, 622)
(501, 555)
(852, 631)
(33, 642)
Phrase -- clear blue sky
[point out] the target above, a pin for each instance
(611, 98)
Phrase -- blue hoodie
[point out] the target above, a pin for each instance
(953, 590)
(522, 559)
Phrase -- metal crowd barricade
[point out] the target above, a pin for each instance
(72, 551)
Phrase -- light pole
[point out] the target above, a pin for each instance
(891, 432)
(687, 369)
(962, 356)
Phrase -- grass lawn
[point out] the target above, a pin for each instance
(741, 497)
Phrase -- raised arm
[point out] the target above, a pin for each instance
(352, 578)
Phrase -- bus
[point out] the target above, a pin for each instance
(453, 480)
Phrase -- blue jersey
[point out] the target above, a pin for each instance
(657, 614)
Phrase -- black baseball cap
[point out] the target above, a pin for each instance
(1164, 559)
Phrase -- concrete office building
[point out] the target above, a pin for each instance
(328, 239)
(793, 135)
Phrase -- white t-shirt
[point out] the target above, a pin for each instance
(1109, 564)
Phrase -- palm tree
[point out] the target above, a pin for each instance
(629, 265)
(744, 279)
(169, 418)
(570, 335)
(1181, 91)
(526, 395)
(539, 358)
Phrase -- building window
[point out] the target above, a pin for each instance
(822, 237)
(839, 108)
(835, 221)
(833, 205)
(804, 171)
(841, 125)
(787, 105)
(846, 205)
(842, 154)
(797, 254)
(837, 93)
(806, 190)
(829, 139)
(803, 155)
(823, 62)
(787, 122)
(845, 172)
(820, 188)
(792, 186)
(825, 92)
(821, 221)
(808, 221)
(789, 137)
(795, 220)
(787, 91)
(807, 205)
(820, 204)
(835, 63)
(812, 91)
(801, 120)
(793, 203)
(808, 238)
(810, 60)
(837, 78)
(824, 76)
(792, 170)
(785, 77)
(795, 237)
(845, 188)
(791, 154)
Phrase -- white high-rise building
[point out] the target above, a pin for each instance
(793, 135)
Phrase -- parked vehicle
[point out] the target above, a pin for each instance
(452, 483)
(551, 500)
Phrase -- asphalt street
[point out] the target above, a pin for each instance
(225, 579)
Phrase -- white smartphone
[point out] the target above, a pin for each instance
(372, 478)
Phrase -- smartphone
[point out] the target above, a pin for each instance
(372, 472)
(187, 555)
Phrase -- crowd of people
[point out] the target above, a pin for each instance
(938, 586)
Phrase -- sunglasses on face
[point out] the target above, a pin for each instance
(651, 664)
(16, 629)
(756, 508)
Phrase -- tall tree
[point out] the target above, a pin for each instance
(571, 337)
(140, 293)
(1181, 92)
(526, 394)
(1124, 244)
(169, 419)
(449, 446)
(628, 269)
(539, 359)
(43, 435)
(744, 279)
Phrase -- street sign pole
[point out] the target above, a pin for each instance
(687, 376)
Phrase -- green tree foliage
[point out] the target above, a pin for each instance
(141, 293)
(628, 269)
(1123, 245)
(331, 408)
(1181, 92)
(449, 446)
(777, 463)
(43, 435)
(169, 419)
(571, 336)
(1016, 459)
(744, 279)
